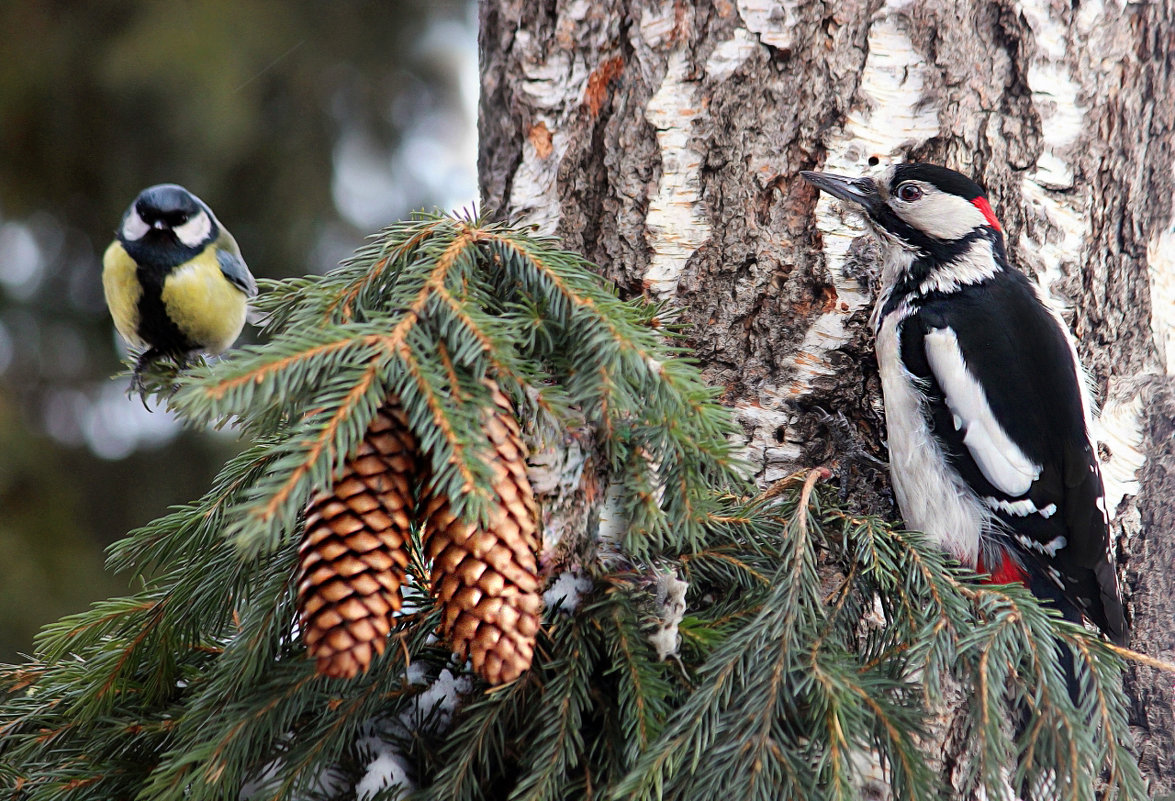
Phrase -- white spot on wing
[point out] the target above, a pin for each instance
(1052, 546)
(999, 459)
(1021, 508)
(1049, 549)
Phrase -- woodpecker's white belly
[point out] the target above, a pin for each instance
(933, 498)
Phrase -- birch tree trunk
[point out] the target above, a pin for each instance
(663, 140)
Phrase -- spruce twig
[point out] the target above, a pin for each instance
(196, 685)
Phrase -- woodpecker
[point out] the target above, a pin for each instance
(986, 403)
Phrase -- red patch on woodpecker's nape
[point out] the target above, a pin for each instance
(985, 209)
(1008, 571)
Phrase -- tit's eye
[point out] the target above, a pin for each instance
(909, 192)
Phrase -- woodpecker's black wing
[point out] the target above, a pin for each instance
(1011, 421)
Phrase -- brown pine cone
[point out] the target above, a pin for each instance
(486, 579)
(353, 553)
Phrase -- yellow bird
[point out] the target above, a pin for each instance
(174, 278)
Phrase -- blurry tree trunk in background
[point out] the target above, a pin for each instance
(663, 141)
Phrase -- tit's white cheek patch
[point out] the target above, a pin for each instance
(133, 227)
(195, 231)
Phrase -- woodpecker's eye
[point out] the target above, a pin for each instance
(909, 192)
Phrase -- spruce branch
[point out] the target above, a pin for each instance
(816, 640)
(557, 747)
(644, 692)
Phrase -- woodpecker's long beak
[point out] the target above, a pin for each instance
(862, 191)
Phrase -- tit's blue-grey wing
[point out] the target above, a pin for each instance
(235, 270)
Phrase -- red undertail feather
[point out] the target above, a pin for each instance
(985, 207)
(1006, 572)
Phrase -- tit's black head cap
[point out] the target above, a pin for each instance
(170, 203)
(945, 179)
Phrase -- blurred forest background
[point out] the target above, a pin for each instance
(305, 124)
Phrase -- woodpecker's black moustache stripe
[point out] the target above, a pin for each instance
(931, 250)
(907, 288)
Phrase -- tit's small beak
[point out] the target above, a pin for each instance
(159, 225)
(862, 191)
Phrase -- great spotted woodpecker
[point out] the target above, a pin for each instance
(985, 400)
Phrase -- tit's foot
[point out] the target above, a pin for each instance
(155, 372)
(139, 387)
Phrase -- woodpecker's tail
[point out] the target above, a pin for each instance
(1047, 591)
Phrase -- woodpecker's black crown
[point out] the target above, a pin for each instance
(946, 180)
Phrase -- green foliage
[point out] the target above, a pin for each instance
(197, 686)
(425, 312)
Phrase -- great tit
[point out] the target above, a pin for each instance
(174, 278)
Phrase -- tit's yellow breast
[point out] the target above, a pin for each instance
(202, 304)
(123, 291)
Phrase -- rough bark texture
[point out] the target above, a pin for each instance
(663, 140)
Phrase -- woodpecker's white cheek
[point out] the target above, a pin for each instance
(941, 214)
(133, 227)
(1000, 460)
(195, 231)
